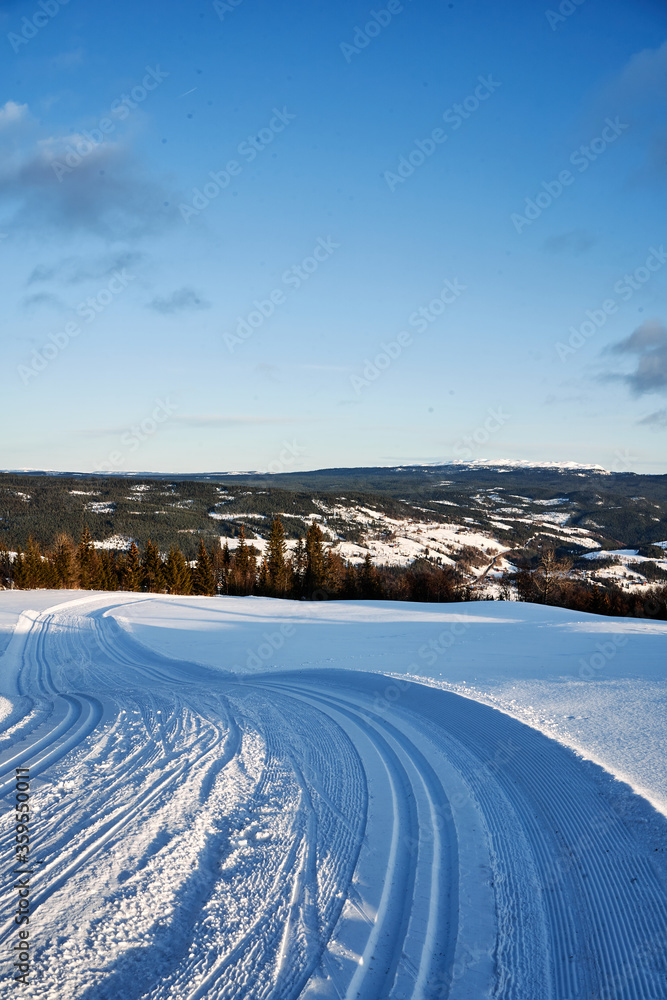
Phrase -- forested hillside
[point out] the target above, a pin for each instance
(580, 540)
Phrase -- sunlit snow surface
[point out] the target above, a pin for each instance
(596, 683)
(239, 797)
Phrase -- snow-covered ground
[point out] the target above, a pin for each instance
(240, 797)
(622, 562)
(389, 541)
(599, 684)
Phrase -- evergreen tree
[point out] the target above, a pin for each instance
(225, 570)
(86, 557)
(525, 586)
(152, 573)
(276, 561)
(369, 584)
(316, 571)
(6, 576)
(297, 568)
(64, 562)
(177, 575)
(243, 569)
(264, 580)
(132, 572)
(349, 591)
(106, 574)
(28, 568)
(17, 568)
(219, 566)
(34, 574)
(335, 573)
(202, 578)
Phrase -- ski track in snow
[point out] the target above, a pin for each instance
(294, 835)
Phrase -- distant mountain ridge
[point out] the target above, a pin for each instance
(487, 463)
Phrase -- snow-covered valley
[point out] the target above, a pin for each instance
(243, 797)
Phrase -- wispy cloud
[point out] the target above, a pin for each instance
(643, 78)
(182, 300)
(268, 371)
(68, 60)
(657, 420)
(637, 95)
(575, 242)
(46, 299)
(552, 399)
(227, 420)
(101, 189)
(326, 368)
(78, 270)
(648, 343)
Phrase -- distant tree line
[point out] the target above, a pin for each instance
(312, 571)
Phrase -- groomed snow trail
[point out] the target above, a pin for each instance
(311, 834)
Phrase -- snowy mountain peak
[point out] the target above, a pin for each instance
(523, 463)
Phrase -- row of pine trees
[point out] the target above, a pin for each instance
(313, 570)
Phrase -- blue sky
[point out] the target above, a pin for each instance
(219, 223)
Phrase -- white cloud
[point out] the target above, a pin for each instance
(644, 76)
(12, 112)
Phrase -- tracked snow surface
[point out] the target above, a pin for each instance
(246, 798)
